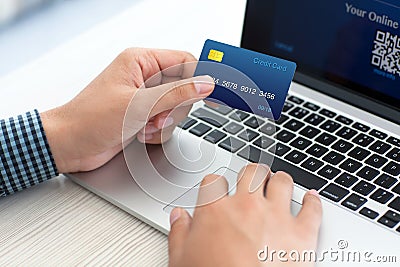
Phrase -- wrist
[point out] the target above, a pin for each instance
(55, 127)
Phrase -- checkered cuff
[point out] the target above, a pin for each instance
(25, 156)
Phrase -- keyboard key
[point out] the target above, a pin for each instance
(231, 144)
(317, 150)
(333, 158)
(312, 164)
(387, 222)
(200, 129)
(392, 168)
(344, 120)
(285, 136)
(394, 154)
(329, 172)
(309, 132)
(361, 127)
(378, 134)
(325, 139)
(314, 119)
(346, 133)
(254, 122)
(187, 123)
(367, 173)
(295, 99)
(394, 141)
(300, 176)
(330, 126)
(395, 204)
(299, 113)
(295, 156)
(391, 215)
(346, 180)
(364, 188)
(282, 119)
(263, 142)
(222, 109)
(363, 140)
(300, 143)
(255, 155)
(269, 129)
(379, 147)
(381, 196)
(328, 113)
(385, 181)
(354, 202)
(214, 136)
(311, 106)
(293, 125)
(334, 192)
(342, 146)
(396, 189)
(350, 165)
(239, 115)
(233, 128)
(279, 149)
(209, 117)
(359, 153)
(369, 213)
(376, 161)
(287, 106)
(248, 135)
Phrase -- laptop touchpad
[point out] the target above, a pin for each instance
(188, 199)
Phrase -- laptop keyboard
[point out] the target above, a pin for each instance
(347, 162)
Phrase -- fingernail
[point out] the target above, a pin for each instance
(144, 137)
(265, 166)
(203, 88)
(313, 192)
(175, 214)
(167, 122)
(148, 137)
(150, 129)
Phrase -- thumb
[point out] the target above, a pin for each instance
(172, 95)
(180, 225)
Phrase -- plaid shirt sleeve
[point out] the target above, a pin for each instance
(25, 156)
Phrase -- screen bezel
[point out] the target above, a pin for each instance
(374, 103)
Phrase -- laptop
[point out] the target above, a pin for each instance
(339, 132)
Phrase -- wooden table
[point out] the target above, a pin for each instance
(58, 222)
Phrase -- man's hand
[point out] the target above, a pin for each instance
(231, 230)
(86, 132)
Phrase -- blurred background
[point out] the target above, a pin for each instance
(29, 28)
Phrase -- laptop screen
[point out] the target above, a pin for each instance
(353, 44)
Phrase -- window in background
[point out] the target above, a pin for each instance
(30, 28)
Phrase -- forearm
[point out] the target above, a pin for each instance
(25, 156)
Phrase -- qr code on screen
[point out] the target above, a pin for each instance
(386, 52)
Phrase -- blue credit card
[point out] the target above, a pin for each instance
(246, 80)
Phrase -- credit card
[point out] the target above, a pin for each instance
(246, 80)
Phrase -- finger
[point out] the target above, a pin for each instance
(252, 178)
(180, 222)
(211, 104)
(212, 188)
(311, 211)
(169, 96)
(167, 119)
(144, 63)
(156, 138)
(280, 189)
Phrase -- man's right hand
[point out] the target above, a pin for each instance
(231, 230)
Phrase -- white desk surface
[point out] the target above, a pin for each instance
(58, 222)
